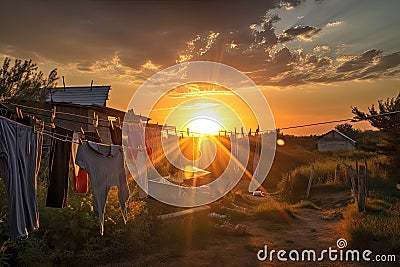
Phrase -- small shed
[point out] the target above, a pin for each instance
(82, 95)
(334, 141)
(83, 102)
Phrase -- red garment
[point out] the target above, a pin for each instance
(149, 151)
(81, 182)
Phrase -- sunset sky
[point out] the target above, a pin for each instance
(313, 59)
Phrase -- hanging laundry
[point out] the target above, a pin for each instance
(20, 152)
(140, 173)
(105, 166)
(138, 154)
(153, 142)
(136, 141)
(256, 158)
(81, 182)
(116, 134)
(80, 175)
(235, 151)
(60, 152)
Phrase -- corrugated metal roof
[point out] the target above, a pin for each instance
(82, 95)
(341, 134)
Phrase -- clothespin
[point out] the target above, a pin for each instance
(53, 116)
(242, 130)
(258, 129)
(188, 132)
(235, 132)
(119, 123)
(82, 131)
(19, 113)
(250, 132)
(111, 124)
(95, 119)
(38, 125)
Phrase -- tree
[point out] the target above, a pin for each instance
(347, 129)
(23, 82)
(387, 120)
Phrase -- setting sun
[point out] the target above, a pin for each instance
(204, 126)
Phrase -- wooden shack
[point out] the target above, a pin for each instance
(334, 141)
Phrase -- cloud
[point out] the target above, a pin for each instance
(113, 67)
(334, 23)
(199, 90)
(385, 64)
(303, 32)
(296, 67)
(134, 39)
(359, 62)
(323, 48)
(67, 33)
(289, 4)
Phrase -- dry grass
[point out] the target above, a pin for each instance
(330, 171)
(378, 228)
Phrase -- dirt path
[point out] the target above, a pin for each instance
(316, 229)
(309, 231)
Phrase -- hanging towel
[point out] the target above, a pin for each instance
(20, 152)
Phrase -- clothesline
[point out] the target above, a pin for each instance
(58, 118)
(99, 119)
(58, 112)
(65, 113)
(200, 134)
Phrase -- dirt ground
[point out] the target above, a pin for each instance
(310, 228)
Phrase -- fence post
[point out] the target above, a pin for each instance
(361, 188)
(366, 178)
(310, 182)
(354, 185)
(357, 167)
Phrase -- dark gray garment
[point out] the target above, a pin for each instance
(20, 152)
(105, 166)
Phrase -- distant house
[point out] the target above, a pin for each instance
(84, 102)
(334, 141)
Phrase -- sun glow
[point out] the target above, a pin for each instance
(204, 126)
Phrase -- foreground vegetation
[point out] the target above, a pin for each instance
(71, 235)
